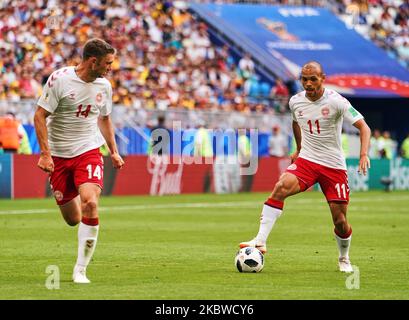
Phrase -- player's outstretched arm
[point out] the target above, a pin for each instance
(365, 136)
(107, 130)
(45, 162)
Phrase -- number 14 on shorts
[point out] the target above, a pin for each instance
(95, 171)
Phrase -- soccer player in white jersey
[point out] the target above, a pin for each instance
(72, 121)
(318, 114)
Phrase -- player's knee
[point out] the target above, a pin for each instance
(89, 205)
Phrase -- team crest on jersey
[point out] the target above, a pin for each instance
(325, 112)
(292, 167)
(58, 195)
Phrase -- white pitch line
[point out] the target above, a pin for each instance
(24, 211)
(206, 205)
(145, 207)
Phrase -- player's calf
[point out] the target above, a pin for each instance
(341, 225)
(72, 222)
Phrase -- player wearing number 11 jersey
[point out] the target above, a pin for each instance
(72, 121)
(318, 114)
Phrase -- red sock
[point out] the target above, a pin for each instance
(343, 236)
(90, 221)
(274, 203)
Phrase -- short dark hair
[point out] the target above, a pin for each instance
(97, 48)
(315, 64)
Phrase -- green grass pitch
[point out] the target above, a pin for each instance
(183, 247)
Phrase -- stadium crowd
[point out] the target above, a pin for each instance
(165, 57)
(385, 22)
(383, 146)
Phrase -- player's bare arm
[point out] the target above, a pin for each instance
(45, 162)
(107, 130)
(365, 136)
(297, 137)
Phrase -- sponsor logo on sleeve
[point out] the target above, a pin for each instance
(352, 111)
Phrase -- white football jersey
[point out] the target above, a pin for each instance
(75, 106)
(321, 126)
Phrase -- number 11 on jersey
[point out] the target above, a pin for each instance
(317, 123)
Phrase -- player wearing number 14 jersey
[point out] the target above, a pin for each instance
(72, 121)
(318, 114)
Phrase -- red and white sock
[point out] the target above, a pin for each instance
(343, 242)
(87, 240)
(272, 210)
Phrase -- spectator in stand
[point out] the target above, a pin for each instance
(345, 144)
(277, 143)
(376, 145)
(244, 148)
(404, 149)
(161, 47)
(160, 138)
(403, 51)
(389, 146)
(29, 87)
(280, 93)
(13, 136)
(246, 66)
(384, 22)
(203, 146)
(9, 135)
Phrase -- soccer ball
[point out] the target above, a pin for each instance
(249, 260)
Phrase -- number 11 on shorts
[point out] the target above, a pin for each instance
(96, 173)
(340, 187)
